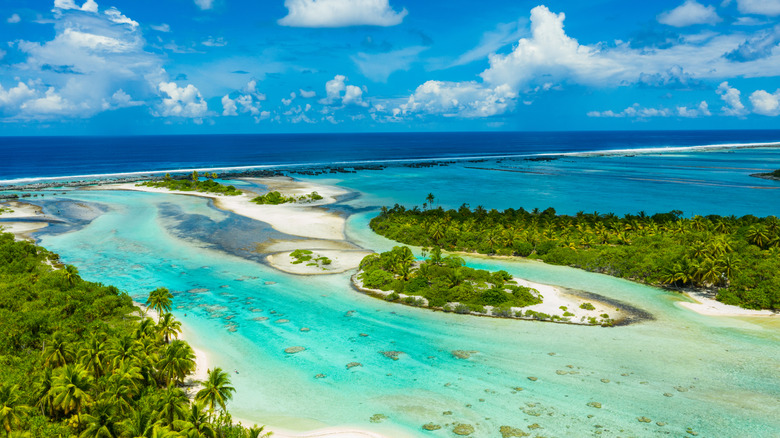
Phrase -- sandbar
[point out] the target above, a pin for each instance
(341, 261)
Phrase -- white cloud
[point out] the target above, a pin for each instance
(229, 106)
(759, 7)
(765, 103)
(702, 110)
(551, 54)
(308, 94)
(731, 96)
(13, 97)
(340, 13)
(204, 4)
(246, 101)
(87, 6)
(80, 71)
(15, 18)
(689, 13)
(379, 66)
(634, 111)
(333, 90)
(117, 17)
(463, 99)
(165, 27)
(181, 101)
(215, 42)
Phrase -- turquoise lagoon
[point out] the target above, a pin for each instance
(717, 376)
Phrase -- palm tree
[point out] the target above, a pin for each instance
(42, 392)
(101, 422)
(160, 300)
(10, 407)
(758, 236)
(168, 327)
(172, 405)
(196, 423)
(124, 384)
(177, 361)
(70, 389)
(216, 390)
(430, 198)
(121, 350)
(254, 432)
(139, 424)
(145, 328)
(58, 352)
(93, 356)
(71, 275)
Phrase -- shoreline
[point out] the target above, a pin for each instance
(552, 299)
(704, 304)
(25, 219)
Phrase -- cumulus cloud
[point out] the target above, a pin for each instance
(549, 52)
(340, 13)
(689, 13)
(634, 111)
(14, 18)
(204, 4)
(765, 103)
(464, 99)
(759, 7)
(351, 95)
(215, 42)
(88, 5)
(245, 101)
(732, 97)
(702, 110)
(308, 94)
(675, 78)
(379, 66)
(82, 69)
(184, 102)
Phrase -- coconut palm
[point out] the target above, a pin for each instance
(160, 300)
(176, 362)
(70, 389)
(42, 392)
(58, 351)
(168, 327)
(101, 422)
(216, 390)
(139, 424)
(145, 328)
(10, 407)
(172, 405)
(195, 424)
(93, 356)
(758, 236)
(71, 275)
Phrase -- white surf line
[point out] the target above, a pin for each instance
(651, 150)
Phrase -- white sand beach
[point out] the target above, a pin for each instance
(341, 261)
(707, 305)
(20, 210)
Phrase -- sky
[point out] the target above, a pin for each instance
(124, 67)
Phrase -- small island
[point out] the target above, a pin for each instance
(194, 183)
(276, 198)
(774, 176)
(445, 283)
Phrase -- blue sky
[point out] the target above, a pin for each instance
(233, 66)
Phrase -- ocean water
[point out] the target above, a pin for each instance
(37, 157)
(721, 373)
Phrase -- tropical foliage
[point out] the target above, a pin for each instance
(442, 282)
(76, 362)
(737, 257)
(276, 198)
(194, 184)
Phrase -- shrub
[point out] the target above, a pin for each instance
(587, 306)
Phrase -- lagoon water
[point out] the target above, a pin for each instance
(717, 376)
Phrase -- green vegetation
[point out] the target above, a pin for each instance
(304, 255)
(442, 282)
(194, 184)
(739, 258)
(276, 198)
(776, 173)
(77, 363)
(5, 210)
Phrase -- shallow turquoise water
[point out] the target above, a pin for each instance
(722, 373)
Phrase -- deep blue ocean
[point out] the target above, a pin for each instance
(36, 157)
